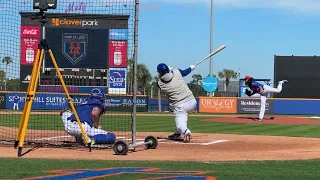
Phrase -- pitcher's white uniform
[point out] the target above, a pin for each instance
(263, 90)
(181, 99)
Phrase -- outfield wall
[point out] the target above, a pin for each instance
(219, 105)
(252, 105)
(58, 101)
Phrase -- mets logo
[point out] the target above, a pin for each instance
(74, 46)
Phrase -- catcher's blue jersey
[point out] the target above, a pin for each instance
(255, 87)
(84, 110)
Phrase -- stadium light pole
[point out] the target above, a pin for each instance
(211, 43)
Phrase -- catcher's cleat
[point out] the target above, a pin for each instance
(175, 136)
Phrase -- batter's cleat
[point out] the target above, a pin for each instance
(260, 120)
(187, 136)
(175, 137)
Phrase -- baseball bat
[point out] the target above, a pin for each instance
(211, 54)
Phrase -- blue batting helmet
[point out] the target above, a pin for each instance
(163, 69)
(96, 93)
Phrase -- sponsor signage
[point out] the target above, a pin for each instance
(25, 76)
(30, 38)
(125, 103)
(252, 106)
(83, 21)
(118, 34)
(117, 80)
(118, 53)
(210, 84)
(217, 105)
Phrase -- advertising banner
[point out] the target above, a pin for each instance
(2, 101)
(41, 101)
(29, 44)
(117, 80)
(44, 101)
(125, 103)
(118, 53)
(217, 105)
(252, 106)
(118, 34)
(25, 76)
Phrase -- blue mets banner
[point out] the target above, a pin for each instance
(75, 46)
(117, 80)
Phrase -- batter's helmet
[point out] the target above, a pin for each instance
(162, 69)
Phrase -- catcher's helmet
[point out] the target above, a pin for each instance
(163, 69)
(96, 93)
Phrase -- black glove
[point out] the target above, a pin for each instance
(248, 92)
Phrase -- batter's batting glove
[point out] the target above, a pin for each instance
(192, 67)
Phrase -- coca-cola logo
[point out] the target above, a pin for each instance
(30, 31)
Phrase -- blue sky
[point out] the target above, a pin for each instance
(177, 32)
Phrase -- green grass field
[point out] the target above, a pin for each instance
(246, 170)
(166, 124)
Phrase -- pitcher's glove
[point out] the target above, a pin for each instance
(248, 92)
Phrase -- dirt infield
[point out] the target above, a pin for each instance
(203, 147)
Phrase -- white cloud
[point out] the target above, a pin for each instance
(296, 6)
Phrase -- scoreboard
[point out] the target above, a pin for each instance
(75, 77)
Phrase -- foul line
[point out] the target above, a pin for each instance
(213, 142)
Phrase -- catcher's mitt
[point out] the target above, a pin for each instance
(248, 92)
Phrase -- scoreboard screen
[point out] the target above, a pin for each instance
(75, 77)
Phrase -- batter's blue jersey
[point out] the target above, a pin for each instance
(255, 87)
(84, 110)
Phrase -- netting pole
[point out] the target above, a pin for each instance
(135, 85)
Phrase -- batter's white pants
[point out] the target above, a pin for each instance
(15, 106)
(181, 113)
(263, 97)
(73, 128)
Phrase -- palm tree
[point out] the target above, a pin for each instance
(143, 76)
(7, 60)
(227, 74)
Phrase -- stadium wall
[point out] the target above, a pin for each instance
(218, 105)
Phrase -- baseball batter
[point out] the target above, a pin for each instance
(181, 99)
(263, 90)
(89, 113)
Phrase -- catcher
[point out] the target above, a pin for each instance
(263, 90)
(89, 113)
(181, 99)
